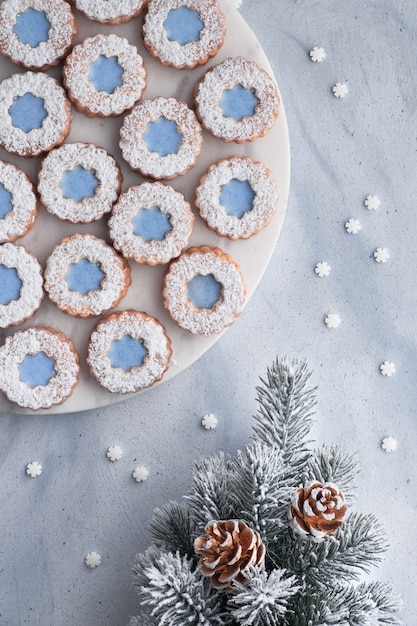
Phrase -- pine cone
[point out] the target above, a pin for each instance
(228, 549)
(317, 510)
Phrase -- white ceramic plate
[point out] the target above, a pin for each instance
(253, 255)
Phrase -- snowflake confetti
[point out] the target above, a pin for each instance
(387, 368)
(381, 255)
(317, 54)
(34, 469)
(114, 453)
(353, 226)
(140, 474)
(93, 560)
(389, 444)
(322, 269)
(372, 203)
(340, 90)
(209, 421)
(332, 320)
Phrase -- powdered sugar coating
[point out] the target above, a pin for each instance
(264, 203)
(204, 261)
(29, 272)
(135, 150)
(137, 325)
(184, 56)
(92, 158)
(227, 75)
(55, 126)
(31, 341)
(110, 11)
(61, 33)
(113, 287)
(21, 217)
(82, 91)
(146, 196)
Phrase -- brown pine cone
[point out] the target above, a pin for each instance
(228, 549)
(317, 510)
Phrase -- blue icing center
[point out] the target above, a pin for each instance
(32, 27)
(162, 137)
(10, 285)
(151, 224)
(237, 197)
(183, 25)
(106, 74)
(238, 103)
(6, 204)
(204, 291)
(37, 369)
(78, 184)
(28, 112)
(84, 276)
(126, 353)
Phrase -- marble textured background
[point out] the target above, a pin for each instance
(342, 151)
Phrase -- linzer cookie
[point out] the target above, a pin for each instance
(161, 138)
(110, 11)
(236, 100)
(237, 197)
(183, 33)
(38, 368)
(85, 277)
(203, 290)
(104, 75)
(36, 34)
(35, 114)
(18, 203)
(151, 223)
(21, 285)
(79, 182)
(128, 351)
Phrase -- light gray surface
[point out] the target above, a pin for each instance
(342, 150)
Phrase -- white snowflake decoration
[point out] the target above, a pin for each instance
(340, 90)
(317, 54)
(332, 320)
(209, 421)
(381, 255)
(389, 444)
(387, 368)
(372, 202)
(322, 269)
(114, 453)
(353, 226)
(33, 469)
(140, 474)
(93, 560)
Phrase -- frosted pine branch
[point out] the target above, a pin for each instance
(172, 528)
(284, 417)
(332, 464)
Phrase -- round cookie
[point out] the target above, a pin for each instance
(36, 34)
(161, 138)
(21, 285)
(203, 290)
(38, 368)
(183, 33)
(236, 100)
(128, 351)
(104, 75)
(237, 197)
(35, 115)
(151, 223)
(85, 277)
(110, 11)
(18, 203)
(79, 182)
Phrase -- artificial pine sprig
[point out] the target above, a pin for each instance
(308, 580)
